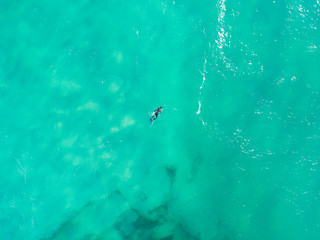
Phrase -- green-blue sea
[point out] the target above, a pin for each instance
(234, 154)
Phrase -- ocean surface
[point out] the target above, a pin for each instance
(234, 154)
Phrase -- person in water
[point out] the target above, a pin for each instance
(156, 113)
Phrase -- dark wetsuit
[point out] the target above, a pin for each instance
(156, 113)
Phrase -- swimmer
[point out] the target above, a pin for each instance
(155, 114)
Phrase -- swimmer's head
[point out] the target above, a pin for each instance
(160, 107)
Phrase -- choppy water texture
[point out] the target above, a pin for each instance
(234, 155)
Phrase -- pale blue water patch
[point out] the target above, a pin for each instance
(233, 155)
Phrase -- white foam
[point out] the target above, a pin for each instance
(221, 32)
(203, 73)
(69, 142)
(199, 109)
(90, 105)
(114, 130)
(127, 121)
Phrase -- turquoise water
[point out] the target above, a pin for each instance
(234, 154)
